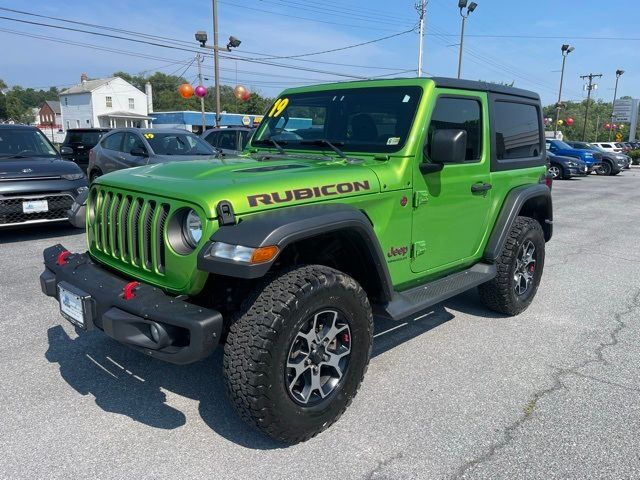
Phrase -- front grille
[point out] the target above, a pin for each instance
(130, 228)
(11, 209)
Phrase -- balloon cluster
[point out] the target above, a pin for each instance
(613, 126)
(187, 91)
(569, 121)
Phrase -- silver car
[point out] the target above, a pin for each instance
(134, 147)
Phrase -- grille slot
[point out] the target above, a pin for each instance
(130, 229)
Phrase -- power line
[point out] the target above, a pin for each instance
(172, 40)
(338, 49)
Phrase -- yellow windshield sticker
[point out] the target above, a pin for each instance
(148, 135)
(278, 107)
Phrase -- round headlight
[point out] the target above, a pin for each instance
(192, 228)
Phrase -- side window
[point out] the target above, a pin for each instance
(452, 113)
(517, 130)
(606, 145)
(228, 140)
(212, 138)
(113, 142)
(132, 141)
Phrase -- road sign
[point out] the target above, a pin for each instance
(622, 110)
(618, 137)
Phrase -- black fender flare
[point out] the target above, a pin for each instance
(287, 225)
(539, 197)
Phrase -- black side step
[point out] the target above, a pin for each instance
(416, 299)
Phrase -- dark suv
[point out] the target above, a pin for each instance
(611, 163)
(36, 185)
(230, 140)
(78, 142)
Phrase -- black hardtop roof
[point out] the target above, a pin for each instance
(446, 82)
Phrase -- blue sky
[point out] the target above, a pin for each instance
(292, 27)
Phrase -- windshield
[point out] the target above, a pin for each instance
(178, 144)
(374, 119)
(85, 138)
(560, 144)
(597, 148)
(25, 142)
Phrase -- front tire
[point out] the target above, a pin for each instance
(297, 352)
(605, 169)
(556, 172)
(519, 267)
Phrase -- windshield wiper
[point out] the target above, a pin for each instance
(271, 141)
(322, 142)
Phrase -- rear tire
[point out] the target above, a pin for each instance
(520, 267)
(297, 352)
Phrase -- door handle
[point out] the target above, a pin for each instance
(481, 187)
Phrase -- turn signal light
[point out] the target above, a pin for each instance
(264, 254)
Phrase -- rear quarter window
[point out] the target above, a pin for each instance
(517, 134)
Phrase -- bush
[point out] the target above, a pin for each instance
(635, 157)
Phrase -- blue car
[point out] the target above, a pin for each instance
(591, 158)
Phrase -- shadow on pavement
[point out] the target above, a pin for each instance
(128, 383)
(25, 233)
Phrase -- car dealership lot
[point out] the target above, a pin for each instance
(460, 392)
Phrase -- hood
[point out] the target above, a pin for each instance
(35, 167)
(250, 185)
(179, 158)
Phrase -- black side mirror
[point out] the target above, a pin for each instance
(138, 152)
(447, 146)
(66, 151)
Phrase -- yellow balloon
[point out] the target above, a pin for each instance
(560, 122)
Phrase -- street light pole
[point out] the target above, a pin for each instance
(566, 50)
(461, 5)
(615, 93)
(201, 37)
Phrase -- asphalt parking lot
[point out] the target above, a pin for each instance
(458, 393)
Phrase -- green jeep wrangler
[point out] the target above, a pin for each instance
(352, 200)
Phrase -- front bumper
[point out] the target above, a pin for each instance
(192, 332)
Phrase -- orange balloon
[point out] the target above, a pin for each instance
(185, 90)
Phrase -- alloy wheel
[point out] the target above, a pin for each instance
(525, 268)
(554, 171)
(318, 357)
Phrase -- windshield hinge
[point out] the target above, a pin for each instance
(419, 198)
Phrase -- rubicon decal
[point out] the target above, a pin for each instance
(307, 193)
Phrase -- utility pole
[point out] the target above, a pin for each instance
(566, 50)
(615, 94)
(421, 8)
(201, 82)
(590, 86)
(216, 59)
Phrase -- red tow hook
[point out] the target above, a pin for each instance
(62, 257)
(128, 292)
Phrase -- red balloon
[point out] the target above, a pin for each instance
(185, 90)
(245, 96)
(569, 121)
(607, 126)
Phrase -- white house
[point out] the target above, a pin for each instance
(105, 102)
